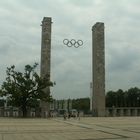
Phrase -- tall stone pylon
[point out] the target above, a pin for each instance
(98, 69)
(45, 59)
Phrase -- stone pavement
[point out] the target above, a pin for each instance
(104, 128)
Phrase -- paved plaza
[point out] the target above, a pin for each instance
(87, 128)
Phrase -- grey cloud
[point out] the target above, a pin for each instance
(71, 68)
(83, 3)
(124, 59)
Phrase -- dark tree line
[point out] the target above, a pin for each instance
(120, 98)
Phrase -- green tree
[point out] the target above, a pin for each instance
(120, 98)
(2, 101)
(133, 96)
(81, 104)
(25, 89)
(111, 99)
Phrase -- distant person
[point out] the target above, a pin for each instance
(78, 115)
(65, 116)
(69, 115)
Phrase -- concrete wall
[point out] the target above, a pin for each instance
(122, 111)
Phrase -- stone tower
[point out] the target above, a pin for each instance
(45, 59)
(98, 70)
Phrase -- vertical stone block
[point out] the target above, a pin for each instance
(128, 112)
(46, 46)
(114, 112)
(45, 58)
(121, 113)
(98, 70)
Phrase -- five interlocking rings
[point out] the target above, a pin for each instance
(73, 42)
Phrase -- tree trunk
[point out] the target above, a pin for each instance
(24, 110)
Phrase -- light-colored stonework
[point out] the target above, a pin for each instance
(91, 128)
(45, 58)
(98, 64)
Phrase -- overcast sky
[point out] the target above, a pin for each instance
(20, 41)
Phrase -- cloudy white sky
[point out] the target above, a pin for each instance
(20, 41)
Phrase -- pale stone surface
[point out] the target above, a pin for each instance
(113, 128)
(45, 58)
(46, 46)
(98, 63)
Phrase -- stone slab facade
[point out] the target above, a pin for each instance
(45, 58)
(98, 68)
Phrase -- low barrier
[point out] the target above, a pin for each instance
(122, 111)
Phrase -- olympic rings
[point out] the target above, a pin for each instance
(73, 42)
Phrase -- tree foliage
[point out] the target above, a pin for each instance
(120, 98)
(25, 89)
(2, 101)
(81, 104)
